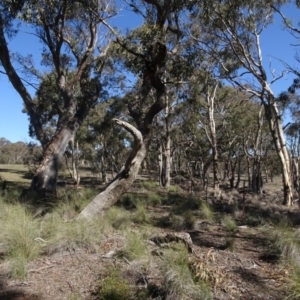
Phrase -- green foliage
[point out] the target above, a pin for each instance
(114, 286)
(19, 237)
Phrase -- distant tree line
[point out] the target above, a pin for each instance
(199, 98)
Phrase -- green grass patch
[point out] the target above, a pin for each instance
(178, 279)
(114, 286)
(229, 223)
(19, 237)
(14, 173)
(207, 213)
(173, 189)
(141, 216)
(147, 184)
(116, 218)
(135, 248)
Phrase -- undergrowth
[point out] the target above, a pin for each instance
(114, 286)
(178, 280)
(19, 238)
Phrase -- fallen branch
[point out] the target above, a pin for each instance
(174, 237)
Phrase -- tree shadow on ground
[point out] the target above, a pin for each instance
(209, 239)
(14, 294)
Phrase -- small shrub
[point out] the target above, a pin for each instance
(189, 220)
(128, 201)
(154, 199)
(207, 213)
(18, 237)
(116, 218)
(114, 287)
(141, 215)
(173, 189)
(286, 240)
(148, 185)
(62, 236)
(229, 244)
(178, 279)
(229, 223)
(135, 247)
(294, 288)
(254, 220)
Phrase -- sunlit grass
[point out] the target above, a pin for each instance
(19, 236)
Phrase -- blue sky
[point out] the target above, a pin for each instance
(275, 42)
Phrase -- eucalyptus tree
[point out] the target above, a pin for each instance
(74, 52)
(105, 143)
(146, 53)
(236, 27)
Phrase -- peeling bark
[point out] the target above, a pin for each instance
(45, 177)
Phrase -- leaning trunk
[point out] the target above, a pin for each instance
(45, 178)
(124, 179)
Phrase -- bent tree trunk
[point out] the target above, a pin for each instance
(141, 111)
(45, 177)
(124, 178)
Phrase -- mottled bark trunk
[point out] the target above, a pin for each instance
(216, 172)
(168, 160)
(212, 137)
(45, 178)
(295, 174)
(266, 173)
(103, 169)
(124, 179)
(238, 173)
(161, 165)
(249, 172)
(257, 182)
(164, 163)
(233, 163)
(275, 124)
(74, 161)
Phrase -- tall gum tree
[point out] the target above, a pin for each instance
(236, 28)
(69, 33)
(147, 52)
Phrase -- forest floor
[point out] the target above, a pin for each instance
(231, 248)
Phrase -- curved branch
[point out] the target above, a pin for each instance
(137, 135)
